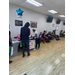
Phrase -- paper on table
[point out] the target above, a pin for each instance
(15, 41)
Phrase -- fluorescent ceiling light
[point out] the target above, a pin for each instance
(53, 11)
(33, 2)
(61, 15)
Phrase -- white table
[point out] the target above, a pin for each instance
(16, 43)
(15, 47)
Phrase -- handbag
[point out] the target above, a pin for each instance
(21, 44)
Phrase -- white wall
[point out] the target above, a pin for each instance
(29, 15)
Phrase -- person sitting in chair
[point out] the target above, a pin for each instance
(50, 36)
(44, 35)
(41, 38)
(61, 33)
(57, 35)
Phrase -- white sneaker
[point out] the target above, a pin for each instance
(34, 49)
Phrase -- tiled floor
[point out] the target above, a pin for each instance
(48, 60)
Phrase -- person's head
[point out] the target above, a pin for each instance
(40, 32)
(33, 30)
(27, 24)
(61, 30)
(49, 32)
(44, 31)
(54, 30)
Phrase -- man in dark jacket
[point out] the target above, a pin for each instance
(24, 35)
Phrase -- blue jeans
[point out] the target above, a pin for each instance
(26, 43)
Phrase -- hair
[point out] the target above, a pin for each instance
(44, 31)
(33, 30)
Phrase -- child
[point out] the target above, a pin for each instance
(36, 36)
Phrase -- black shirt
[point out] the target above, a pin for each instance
(43, 35)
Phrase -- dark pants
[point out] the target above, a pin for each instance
(50, 38)
(61, 35)
(9, 56)
(9, 53)
(57, 37)
(43, 40)
(37, 43)
(26, 43)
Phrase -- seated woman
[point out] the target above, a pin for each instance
(61, 33)
(44, 36)
(53, 34)
(41, 38)
(57, 35)
(64, 33)
(50, 36)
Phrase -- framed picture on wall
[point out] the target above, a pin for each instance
(33, 24)
(18, 23)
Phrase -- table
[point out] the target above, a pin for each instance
(16, 43)
(15, 46)
(31, 44)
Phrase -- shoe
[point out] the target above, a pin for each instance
(10, 62)
(24, 55)
(37, 48)
(57, 39)
(28, 55)
(25, 74)
(43, 42)
(34, 49)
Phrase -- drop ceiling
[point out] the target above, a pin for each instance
(57, 5)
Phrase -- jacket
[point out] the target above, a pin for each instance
(25, 32)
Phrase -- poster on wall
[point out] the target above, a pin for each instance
(31, 44)
(33, 24)
(18, 23)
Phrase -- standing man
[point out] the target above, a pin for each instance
(10, 44)
(24, 37)
(36, 36)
